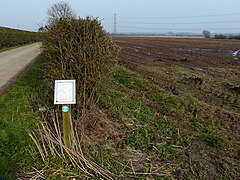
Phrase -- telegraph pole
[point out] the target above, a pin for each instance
(115, 24)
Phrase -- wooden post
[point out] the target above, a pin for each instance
(65, 95)
(66, 126)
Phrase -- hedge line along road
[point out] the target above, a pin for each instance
(16, 61)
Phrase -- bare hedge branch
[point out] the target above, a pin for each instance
(77, 49)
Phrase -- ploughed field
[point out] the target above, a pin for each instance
(203, 68)
(197, 70)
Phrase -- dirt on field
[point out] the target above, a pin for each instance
(201, 68)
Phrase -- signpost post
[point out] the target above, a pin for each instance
(65, 94)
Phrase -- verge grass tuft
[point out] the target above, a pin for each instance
(16, 119)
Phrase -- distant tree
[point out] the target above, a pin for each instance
(206, 33)
(60, 10)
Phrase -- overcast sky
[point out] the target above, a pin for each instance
(133, 15)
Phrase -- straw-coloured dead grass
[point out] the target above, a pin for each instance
(49, 142)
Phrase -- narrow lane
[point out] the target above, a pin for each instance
(15, 61)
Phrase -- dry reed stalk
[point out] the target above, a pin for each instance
(49, 142)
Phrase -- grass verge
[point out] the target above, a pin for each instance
(160, 129)
(138, 131)
(16, 119)
(14, 47)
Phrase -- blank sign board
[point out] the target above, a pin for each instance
(65, 92)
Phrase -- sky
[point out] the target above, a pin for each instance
(133, 16)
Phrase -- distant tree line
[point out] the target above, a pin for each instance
(220, 36)
(223, 36)
(234, 37)
(207, 34)
(13, 37)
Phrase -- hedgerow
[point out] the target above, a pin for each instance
(77, 49)
(13, 37)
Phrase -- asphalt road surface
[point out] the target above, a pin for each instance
(14, 62)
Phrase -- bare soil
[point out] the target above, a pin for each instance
(200, 67)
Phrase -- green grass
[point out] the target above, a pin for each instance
(156, 122)
(16, 119)
(144, 109)
(216, 140)
(8, 48)
(126, 79)
(12, 47)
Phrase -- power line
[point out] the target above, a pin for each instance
(206, 22)
(124, 24)
(183, 17)
(130, 27)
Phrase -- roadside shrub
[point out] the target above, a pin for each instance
(5, 39)
(77, 49)
(13, 37)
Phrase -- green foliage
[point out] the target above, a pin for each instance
(146, 128)
(134, 142)
(166, 102)
(125, 78)
(77, 49)
(197, 124)
(145, 114)
(16, 119)
(13, 37)
(216, 140)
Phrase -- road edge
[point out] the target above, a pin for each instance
(17, 76)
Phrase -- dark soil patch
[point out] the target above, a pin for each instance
(182, 52)
(215, 163)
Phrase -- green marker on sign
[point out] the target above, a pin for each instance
(65, 108)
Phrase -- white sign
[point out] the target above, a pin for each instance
(65, 92)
